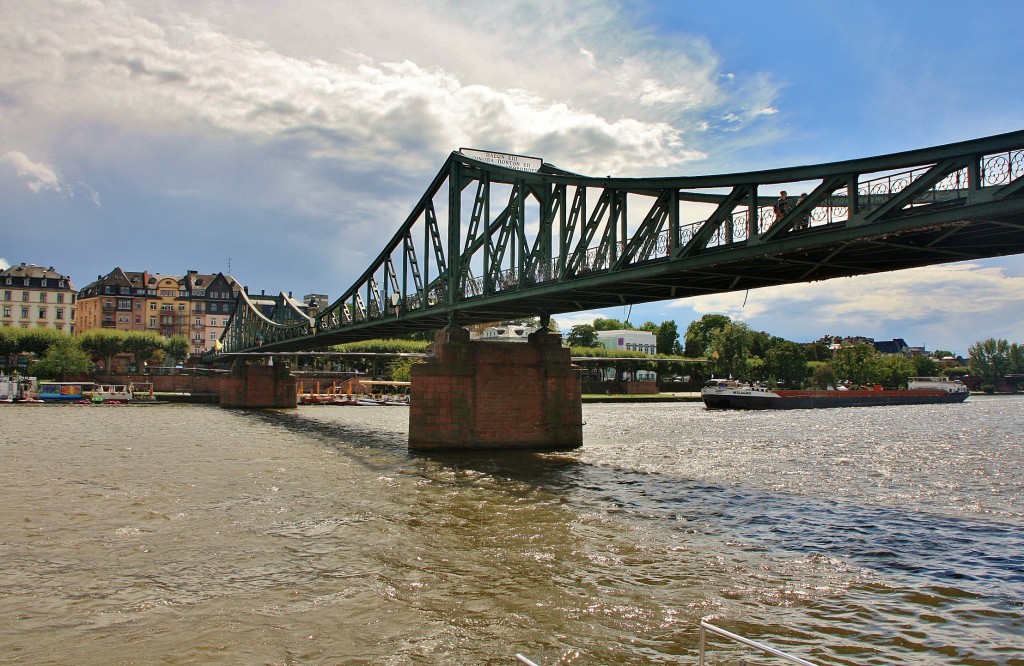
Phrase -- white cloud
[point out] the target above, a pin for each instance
(950, 305)
(38, 176)
(157, 71)
(43, 177)
(4, 264)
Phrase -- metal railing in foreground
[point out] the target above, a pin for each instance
(706, 627)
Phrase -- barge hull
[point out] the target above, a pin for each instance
(828, 399)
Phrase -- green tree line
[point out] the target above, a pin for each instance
(57, 354)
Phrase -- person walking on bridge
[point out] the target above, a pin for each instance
(782, 206)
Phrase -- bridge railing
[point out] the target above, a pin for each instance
(1002, 168)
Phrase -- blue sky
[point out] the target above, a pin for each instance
(291, 139)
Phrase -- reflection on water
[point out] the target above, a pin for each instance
(193, 534)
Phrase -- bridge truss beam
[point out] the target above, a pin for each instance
(487, 243)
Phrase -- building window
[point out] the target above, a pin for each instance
(124, 304)
(213, 336)
(7, 311)
(42, 297)
(152, 322)
(24, 313)
(199, 322)
(59, 327)
(24, 296)
(60, 313)
(108, 290)
(199, 337)
(7, 295)
(181, 307)
(43, 283)
(152, 306)
(60, 298)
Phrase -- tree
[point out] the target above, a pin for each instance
(177, 347)
(63, 359)
(103, 344)
(1015, 358)
(143, 344)
(761, 342)
(668, 338)
(400, 370)
(582, 335)
(851, 363)
(823, 376)
(38, 340)
(817, 351)
(602, 324)
(891, 370)
(730, 350)
(924, 366)
(786, 364)
(989, 360)
(698, 334)
(9, 340)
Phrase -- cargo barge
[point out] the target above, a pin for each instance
(730, 394)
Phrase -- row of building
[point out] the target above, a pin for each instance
(199, 306)
(195, 305)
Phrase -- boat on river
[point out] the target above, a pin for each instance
(16, 388)
(65, 392)
(112, 394)
(731, 394)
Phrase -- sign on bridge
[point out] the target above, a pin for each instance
(507, 160)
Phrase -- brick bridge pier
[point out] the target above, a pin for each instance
(477, 395)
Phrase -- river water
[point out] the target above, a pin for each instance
(187, 534)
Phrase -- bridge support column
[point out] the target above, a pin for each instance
(488, 395)
(253, 386)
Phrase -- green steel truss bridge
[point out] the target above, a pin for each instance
(497, 237)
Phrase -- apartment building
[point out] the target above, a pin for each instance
(37, 297)
(195, 305)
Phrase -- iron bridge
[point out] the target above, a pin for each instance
(489, 242)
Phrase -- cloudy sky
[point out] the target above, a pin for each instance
(287, 141)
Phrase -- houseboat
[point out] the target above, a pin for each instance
(67, 392)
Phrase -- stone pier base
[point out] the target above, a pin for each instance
(488, 395)
(253, 386)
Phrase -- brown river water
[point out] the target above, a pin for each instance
(187, 534)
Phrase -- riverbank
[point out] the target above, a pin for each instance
(682, 396)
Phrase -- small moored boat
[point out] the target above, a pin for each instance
(112, 394)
